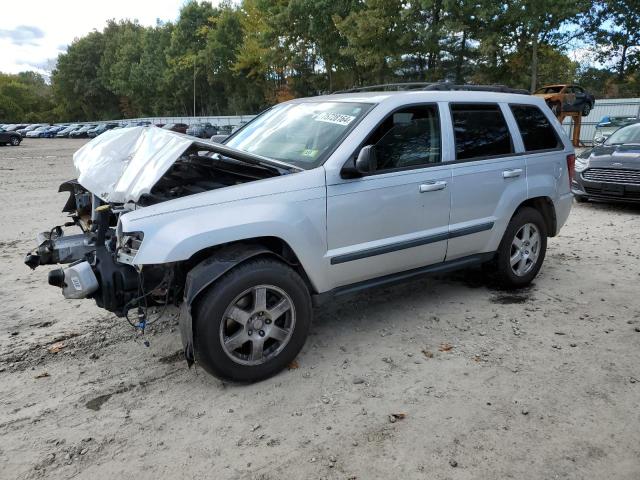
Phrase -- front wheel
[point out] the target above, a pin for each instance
(522, 249)
(252, 322)
(586, 109)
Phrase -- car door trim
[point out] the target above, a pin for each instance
(416, 242)
(400, 277)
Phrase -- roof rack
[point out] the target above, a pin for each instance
(388, 86)
(446, 86)
(436, 86)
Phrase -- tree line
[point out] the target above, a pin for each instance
(242, 58)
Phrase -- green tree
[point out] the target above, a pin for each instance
(374, 38)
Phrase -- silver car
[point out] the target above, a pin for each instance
(313, 199)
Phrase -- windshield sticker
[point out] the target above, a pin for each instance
(309, 153)
(337, 118)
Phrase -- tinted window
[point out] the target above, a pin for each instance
(537, 133)
(407, 138)
(480, 131)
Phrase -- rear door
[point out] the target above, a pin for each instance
(488, 177)
(396, 218)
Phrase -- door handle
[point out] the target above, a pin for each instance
(516, 172)
(432, 186)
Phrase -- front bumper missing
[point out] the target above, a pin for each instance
(93, 271)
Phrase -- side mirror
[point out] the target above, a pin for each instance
(364, 164)
(599, 140)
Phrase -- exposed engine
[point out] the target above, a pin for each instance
(100, 257)
(197, 173)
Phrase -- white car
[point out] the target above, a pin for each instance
(315, 198)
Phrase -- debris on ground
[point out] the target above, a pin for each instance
(394, 417)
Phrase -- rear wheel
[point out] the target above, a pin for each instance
(522, 249)
(252, 322)
(15, 141)
(586, 109)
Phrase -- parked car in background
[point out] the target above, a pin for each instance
(29, 128)
(51, 132)
(315, 198)
(67, 130)
(16, 126)
(610, 171)
(10, 137)
(608, 125)
(38, 132)
(176, 127)
(202, 130)
(100, 129)
(566, 98)
(82, 132)
(225, 130)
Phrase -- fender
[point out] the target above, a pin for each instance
(202, 276)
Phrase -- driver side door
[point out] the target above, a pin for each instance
(397, 217)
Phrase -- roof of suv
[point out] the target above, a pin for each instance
(422, 95)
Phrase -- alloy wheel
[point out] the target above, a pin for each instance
(257, 325)
(525, 249)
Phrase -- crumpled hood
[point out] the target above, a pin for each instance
(121, 165)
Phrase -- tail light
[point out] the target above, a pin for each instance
(571, 167)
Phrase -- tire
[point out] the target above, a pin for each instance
(555, 108)
(586, 109)
(14, 141)
(531, 259)
(230, 309)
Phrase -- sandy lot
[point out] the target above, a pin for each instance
(538, 384)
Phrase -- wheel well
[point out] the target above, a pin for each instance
(279, 247)
(545, 206)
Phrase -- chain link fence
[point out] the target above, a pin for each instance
(611, 107)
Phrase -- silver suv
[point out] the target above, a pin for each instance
(313, 199)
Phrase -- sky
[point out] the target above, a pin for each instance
(34, 32)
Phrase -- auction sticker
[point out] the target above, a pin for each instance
(337, 118)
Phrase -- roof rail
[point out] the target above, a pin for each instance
(446, 86)
(387, 86)
(436, 86)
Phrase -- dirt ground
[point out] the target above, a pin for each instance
(538, 384)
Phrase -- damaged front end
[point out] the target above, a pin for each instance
(119, 172)
(99, 260)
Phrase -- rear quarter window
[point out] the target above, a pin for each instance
(536, 130)
(480, 130)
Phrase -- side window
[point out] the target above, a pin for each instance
(536, 130)
(480, 130)
(407, 138)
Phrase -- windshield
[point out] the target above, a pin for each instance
(302, 134)
(629, 134)
(545, 90)
(619, 121)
